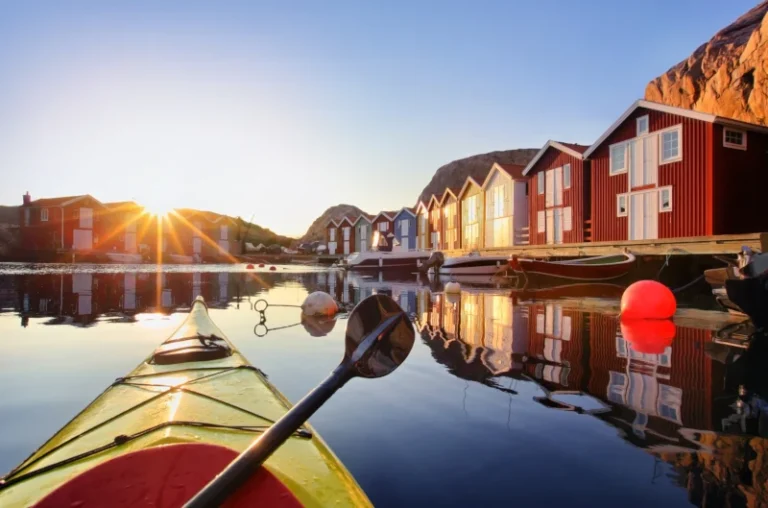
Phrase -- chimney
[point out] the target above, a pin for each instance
(27, 199)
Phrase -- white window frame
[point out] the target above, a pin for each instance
(567, 176)
(44, 215)
(611, 170)
(639, 120)
(679, 156)
(332, 234)
(540, 182)
(727, 144)
(668, 209)
(619, 197)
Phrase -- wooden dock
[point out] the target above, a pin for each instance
(704, 245)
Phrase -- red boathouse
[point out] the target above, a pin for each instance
(559, 193)
(347, 235)
(665, 172)
(71, 223)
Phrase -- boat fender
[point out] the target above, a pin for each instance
(272, 268)
(319, 303)
(452, 288)
(249, 267)
(648, 299)
(261, 265)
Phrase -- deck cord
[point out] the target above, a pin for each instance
(121, 439)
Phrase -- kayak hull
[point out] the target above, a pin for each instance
(223, 402)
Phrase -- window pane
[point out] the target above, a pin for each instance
(541, 183)
(567, 176)
(670, 145)
(617, 158)
(642, 125)
(666, 203)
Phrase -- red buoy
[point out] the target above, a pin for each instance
(648, 299)
(650, 336)
(272, 268)
(249, 267)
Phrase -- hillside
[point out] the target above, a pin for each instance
(726, 76)
(257, 234)
(455, 173)
(9, 215)
(316, 231)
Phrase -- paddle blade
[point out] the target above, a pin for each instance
(379, 337)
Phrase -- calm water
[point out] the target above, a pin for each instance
(499, 403)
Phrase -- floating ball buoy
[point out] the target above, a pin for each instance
(318, 326)
(651, 336)
(249, 267)
(648, 299)
(272, 268)
(319, 304)
(452, 288)
(453, 298)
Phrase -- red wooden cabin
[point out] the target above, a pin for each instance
(332, 236)
(559, 194)
(434, 211)
(347, 235)
(61, 224)
(384, 223)
(666, 172)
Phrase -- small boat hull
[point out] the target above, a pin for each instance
(473, 265)
(596, 269)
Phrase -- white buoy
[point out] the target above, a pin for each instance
(452, 288)
(319, 304)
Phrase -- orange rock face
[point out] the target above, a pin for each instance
(727, 76)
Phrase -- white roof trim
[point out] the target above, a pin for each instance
(672, 110)
(345, 218)
(363, 216)
(496, 167)
(466, 184)
(433, 198)
(380, 214)
(421, 205)
(405, 209)
(332, 221)
(78, 198)
(556, 146)
(447, 191)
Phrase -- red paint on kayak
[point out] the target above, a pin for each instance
(165, 477)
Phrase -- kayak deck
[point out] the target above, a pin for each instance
(221, 401)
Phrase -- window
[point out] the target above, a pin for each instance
(383, 226)
(665, 199)
(540, 221)
(541, 182)
(621, 205)
(44, 215)
(567, 176)
(618, 163)
(642, 125)
(670, 145)
(735, 139)
(332, 232)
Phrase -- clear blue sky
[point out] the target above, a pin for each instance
(281, 109)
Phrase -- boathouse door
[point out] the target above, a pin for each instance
(404, 234)
(643, 161)
(644, 215)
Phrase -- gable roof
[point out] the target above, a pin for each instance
(433, 198)
(672, 110)
(368, 218)
(331, 221)
(390, 215)
(571, 149)
(448, 190)
(62, 201)
(468, 181)
(514, 171)
(407, 209)
(420, 205)
(347, 219)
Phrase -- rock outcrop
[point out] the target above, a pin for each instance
(316, 231)
(455, 173)
(727, 76)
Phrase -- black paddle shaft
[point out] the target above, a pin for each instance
(240, 469)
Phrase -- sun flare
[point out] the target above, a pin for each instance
(157, 208)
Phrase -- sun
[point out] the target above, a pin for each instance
(157, 207)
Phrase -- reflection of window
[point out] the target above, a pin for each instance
(618, 155)
(616, 387)
(670, 145)
(44, 215)
(669, 402)
(642, 125)
(735, 139)
(621, 347)
(567, 176)
(665, 199)
(621, 205)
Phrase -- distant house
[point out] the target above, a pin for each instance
(61, 224)
(559, 194)
(332, 236)
(384, 224)
(405, 228)
(347, 229)
(435, 222)
(363, 233)
(224, 232)
(505, 196)
(129, 228)
(422, 226)
(472, 208)
(449, 221)
(187, 233)
(665, 172)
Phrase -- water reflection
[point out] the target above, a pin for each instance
(697, 406)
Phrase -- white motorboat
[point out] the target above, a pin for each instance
(473, 264)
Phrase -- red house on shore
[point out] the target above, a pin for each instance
(347, 235)
(384, 223)
(664, 172)
(332, 236)
(71, 223)
(559, 194)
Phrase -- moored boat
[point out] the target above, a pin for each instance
(597, 268)
(158, 435)
(473, 264)
(381, 260)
